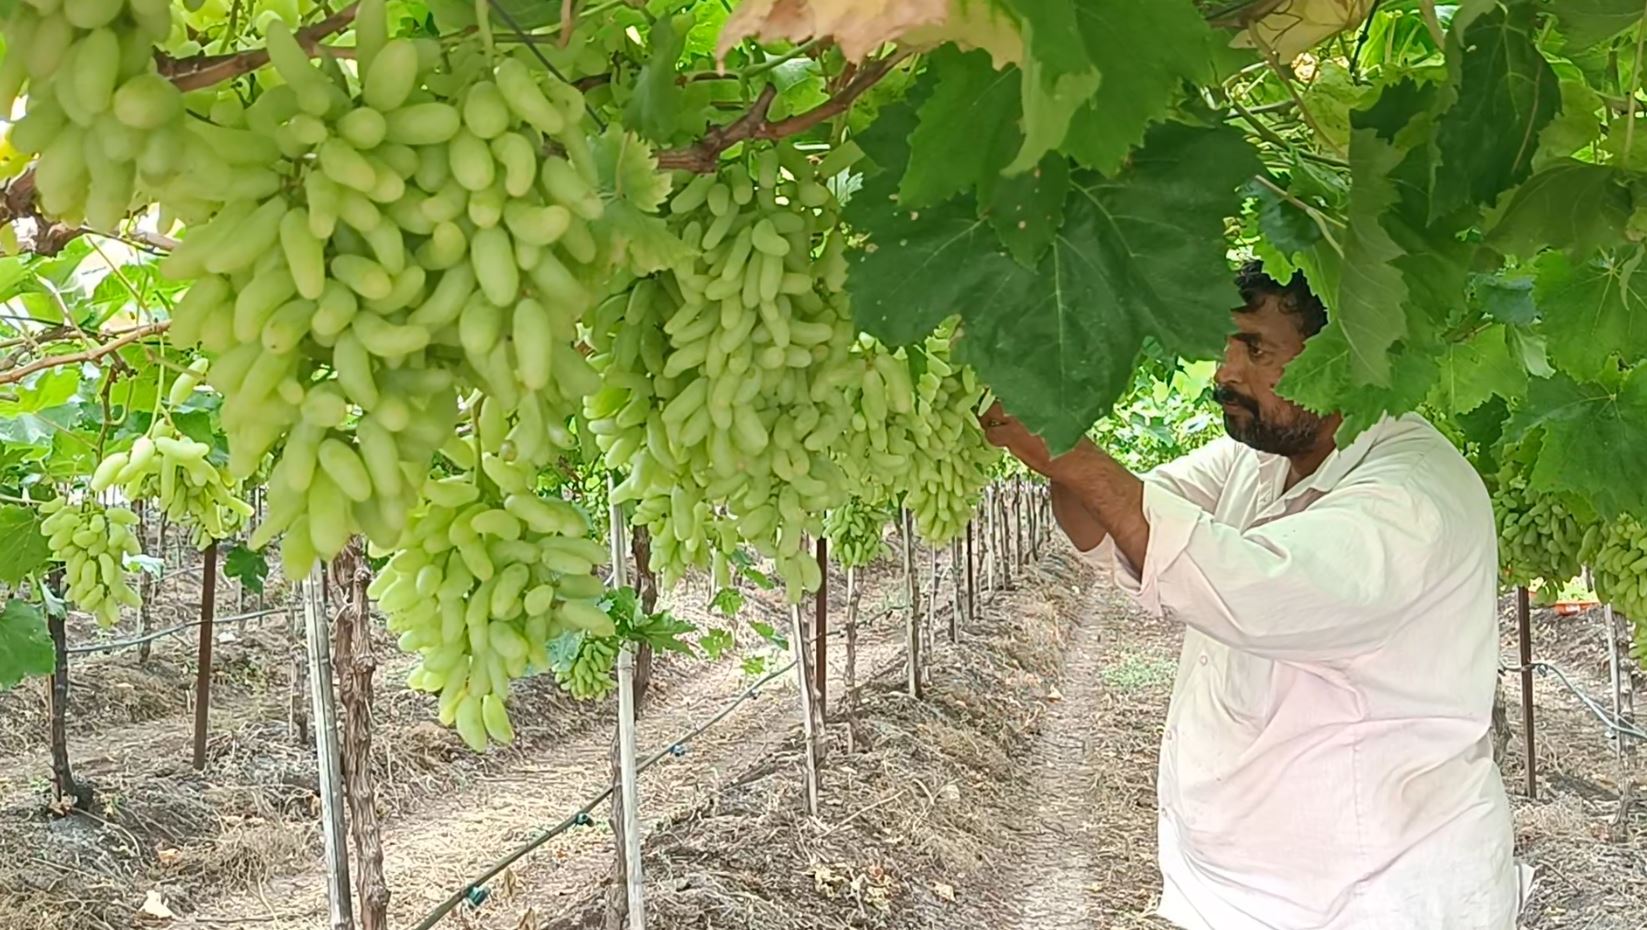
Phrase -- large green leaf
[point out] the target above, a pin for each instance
(968, 128)
(656, 108)
(1371, 289)
(1569, 205)
(1027, 209)
(1139, 255)
(22, 546)
(1595, 437)
(1145, 52)
(1586, 22)
(1593, 311)
(1323, 379)
(1503, 93)
(1059, 76)
(25, 646)
(1476, 369)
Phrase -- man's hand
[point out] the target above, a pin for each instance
(1004, 431)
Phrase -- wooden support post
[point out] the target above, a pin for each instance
(203, 670)
(954, 589)
(354, 665)
(821, 630)
(628, 796)
(65, 789)
(809, 730)
(850, 698)
(912, 622)
(328, 764)
(971, 576)
(1524, 628)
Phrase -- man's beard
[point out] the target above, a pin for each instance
(1292, 438)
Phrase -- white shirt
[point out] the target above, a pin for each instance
(1326, 763)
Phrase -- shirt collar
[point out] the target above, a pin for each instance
(1337, 465)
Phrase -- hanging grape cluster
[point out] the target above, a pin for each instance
(1619, 561)
(915, 434)
(588, 674)
(855, 532)
(1538, 535)
(487, 573)
(378, 246)
(92, 542)
(100, 117)
(175, 471)
(723, 376)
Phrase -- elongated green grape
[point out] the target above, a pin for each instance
(92, 542)
(1539, 537)
(101, 119)
(915, 435)
(723, 375)
(177, 472)
(588, 675)
(856, 532)
(485, 575)
(1617, 554)
(349, 307)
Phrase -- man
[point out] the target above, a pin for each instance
(1326, 762)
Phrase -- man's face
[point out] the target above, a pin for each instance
(1266, 339)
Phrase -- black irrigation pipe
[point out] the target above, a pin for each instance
(119, 644)
(1613, 725)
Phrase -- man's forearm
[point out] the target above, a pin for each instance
(1113, 496)
(1078, 523)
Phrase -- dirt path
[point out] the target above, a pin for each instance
(430, 851)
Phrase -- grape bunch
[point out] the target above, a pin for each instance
(1619, 561)
(588, 675)
(380, 247)
(100, 117)
(92, 542)
(485, 575)
(855, 532)
(723, 375)
(915, 434)
(1538, 535)
(176, 471)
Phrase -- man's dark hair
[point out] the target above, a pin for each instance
(1294, 297)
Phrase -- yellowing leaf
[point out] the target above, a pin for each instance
(1289, 27)
(861, 26)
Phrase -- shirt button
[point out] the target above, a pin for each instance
(1203, 659)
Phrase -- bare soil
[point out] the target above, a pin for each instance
(1019, 794)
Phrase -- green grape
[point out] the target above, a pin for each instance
(589, 675)
(484, 576)
(1538, 535)
(175, 470)
(101, 119)
(855, 532)
(419, 244)
(915, 436)
(92, 542)
(1619, 562)
(723, 376)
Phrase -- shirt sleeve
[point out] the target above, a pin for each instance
(1330, 582)
(1198, 477)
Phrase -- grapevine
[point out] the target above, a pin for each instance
(92, 542)
(723, 375)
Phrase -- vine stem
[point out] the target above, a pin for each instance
(200, 71)
(704, 156)
(1635, 82)
(90, 355)
(1321, 219)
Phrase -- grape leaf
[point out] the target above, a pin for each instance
(634, 188)
(1476, 369)
(857, 26)
(1507, 299)
(968, 128)
(25, 646)
(1502, 95)
(1059, 77)
(1145, 52)
(1371, 289)
(1587, 22)
(1569, 205)
(246, 566)
(1281, 222)
(655, 108)
(1028, 208)
(1593, 310)
(1576, 126)
(1322, 378)
(1592, 435)
(51, 388)
(23, 547)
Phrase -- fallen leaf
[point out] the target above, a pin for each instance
(1053, 694)
(944, 890)
(155, 906)
(168, 856)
